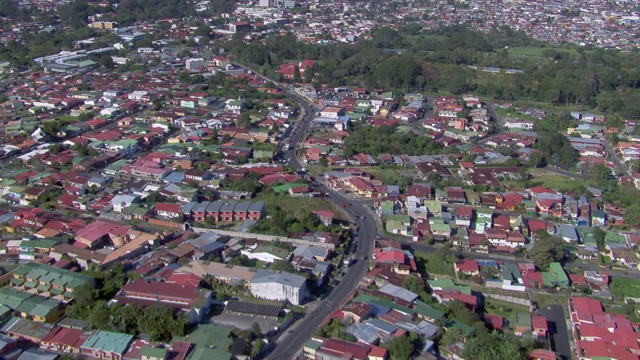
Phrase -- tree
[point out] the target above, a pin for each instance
(55, 148)
(256, 348)
(512, 162)
(308, 74)
(83, 295)
(160, 322)
(546, 249)
(599, 235)
(403, 347)
(126, 319)
(452, 336)
(494, 346)
(296, 75)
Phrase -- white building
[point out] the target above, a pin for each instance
(279, 286)
(123, 201)
(195, 64)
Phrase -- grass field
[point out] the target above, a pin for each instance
(554, 181)
(288, 203)
(503, 308)
(544, 300)
(390, 175)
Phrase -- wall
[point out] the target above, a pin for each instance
(166, 223)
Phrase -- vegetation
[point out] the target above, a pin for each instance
(403, 347)
(495, 346)
(90, 305)
(335, 329)
(439, 262)
(384, 139)
(555, 149)
(283, 223)
(605, 80)
(621, 288)
(546, 249)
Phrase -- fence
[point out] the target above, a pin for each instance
(510, 299)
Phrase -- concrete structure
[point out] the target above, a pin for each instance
(279, 286)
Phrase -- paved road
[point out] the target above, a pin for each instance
(622, 169)
(510, 259)
(558, 332)
(290, 343)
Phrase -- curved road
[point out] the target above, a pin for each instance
(289, 344)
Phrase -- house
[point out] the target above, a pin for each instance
(106, 345)
(357, 311)
(427, 312)
(228, 274)
(556, 276)
(64, 339)
(123, 201)
(166, 210)
(455, 195)
(540, 326)
(542, 354)
(279, 286)
(464, 216)
(468, 267)
(521, 323)
(398, 224)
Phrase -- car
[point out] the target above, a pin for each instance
(347, 204)
(343, 205)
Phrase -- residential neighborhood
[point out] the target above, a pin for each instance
(189, 187)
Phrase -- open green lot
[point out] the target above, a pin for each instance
(503, 308)
(289, 203)
(622, 288)
(554, 181)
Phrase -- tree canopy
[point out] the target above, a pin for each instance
(385, 139)
(546, 249)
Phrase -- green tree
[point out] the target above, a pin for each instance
(546, 249)
(599, 236)
(403, 347)
(296, 75)
(160, 323)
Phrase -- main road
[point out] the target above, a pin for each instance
(288, 345)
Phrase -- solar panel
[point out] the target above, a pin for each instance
(253, 308)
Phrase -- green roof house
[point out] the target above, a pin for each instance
(151, 353)
(106, 344)
(427, 312)
(522, 322)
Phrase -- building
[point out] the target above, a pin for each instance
(188, 298)
(279, 286)
(106, 345)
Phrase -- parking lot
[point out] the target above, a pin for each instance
(558, 330)
(244, 322)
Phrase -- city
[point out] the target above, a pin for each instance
(319, 180)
